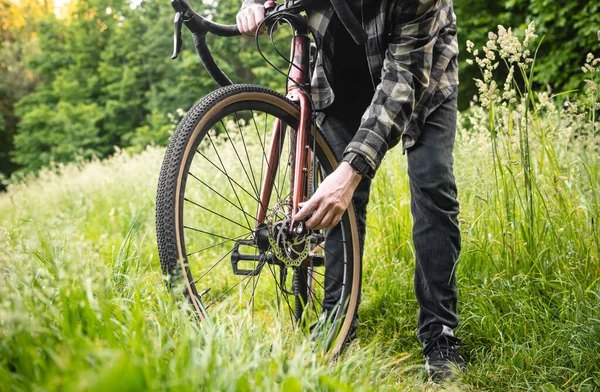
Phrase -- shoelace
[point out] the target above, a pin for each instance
(446, 346)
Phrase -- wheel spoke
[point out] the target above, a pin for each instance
(264, 154)
(312, 294)
(222, 197)
(252, 183)
(337, 258)
(291, 310)
(314, 271)
(209, 233)
(254, 284)
(232, 287)
(217, 263)
(215, 245)
(250, 160)
(217, 214)
(287, 166)
(232, 180)
(325, 292)
(228, 177)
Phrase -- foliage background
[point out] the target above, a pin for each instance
(100, 75)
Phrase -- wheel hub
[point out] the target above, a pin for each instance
(287, 245)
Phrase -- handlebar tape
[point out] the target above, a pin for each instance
(209, 62)
(223, 30)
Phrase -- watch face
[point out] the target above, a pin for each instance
(359, 164)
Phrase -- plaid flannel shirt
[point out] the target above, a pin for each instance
(412, 56)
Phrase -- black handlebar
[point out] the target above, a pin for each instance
(209, 62)
(203, 25)
(199, 26)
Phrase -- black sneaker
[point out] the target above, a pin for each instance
(442, 358)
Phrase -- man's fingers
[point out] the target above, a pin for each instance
(305, 210)
(249, 18)
(241, 22)
(259, 15)
(315, 221)
(328, 220)
(252, 25)
(238, 22)
(248, 31)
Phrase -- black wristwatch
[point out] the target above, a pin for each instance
(358, 163)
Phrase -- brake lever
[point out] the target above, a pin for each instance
(291, 6)
(177, 41)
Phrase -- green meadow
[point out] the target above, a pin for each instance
(83, 304)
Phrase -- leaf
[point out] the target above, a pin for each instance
(291, 384)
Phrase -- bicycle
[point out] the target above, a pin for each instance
(238, 165)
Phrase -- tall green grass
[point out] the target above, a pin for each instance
(83, 304)
(528, 177)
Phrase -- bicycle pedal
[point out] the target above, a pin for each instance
(236, 257)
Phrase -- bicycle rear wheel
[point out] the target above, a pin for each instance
(210, 244)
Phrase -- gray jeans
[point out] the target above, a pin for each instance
(434, 208)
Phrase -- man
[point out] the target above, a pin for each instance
(404, 80)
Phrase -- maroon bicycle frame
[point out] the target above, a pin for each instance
(298, 75)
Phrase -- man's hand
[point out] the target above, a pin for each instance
(331, 199)
(249, 18)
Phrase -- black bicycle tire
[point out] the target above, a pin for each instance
(171, 187)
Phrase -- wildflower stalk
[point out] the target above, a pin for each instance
(523, 127)
(498, 172)
(594, 146)
(525, 153)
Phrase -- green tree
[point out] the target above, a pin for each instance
(112, 61)
(17, 44)
(570, 31)
(63, 118)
